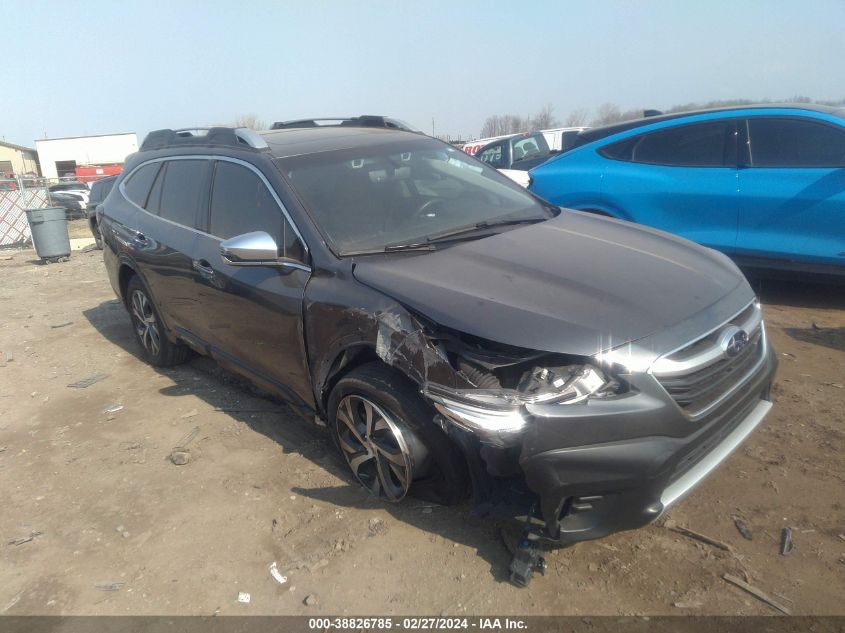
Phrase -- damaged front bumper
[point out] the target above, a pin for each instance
(609, 464)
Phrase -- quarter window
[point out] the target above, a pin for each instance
(784, 142)
(696, 145)
(183, 187)
(242, 203)
(138, 184)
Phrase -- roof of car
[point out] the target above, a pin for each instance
(595, 134)
(299, 141)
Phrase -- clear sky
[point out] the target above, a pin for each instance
(92, 67)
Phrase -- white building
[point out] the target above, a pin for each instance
(61, 156)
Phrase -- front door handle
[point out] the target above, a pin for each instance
(140, 238)
(203, 267)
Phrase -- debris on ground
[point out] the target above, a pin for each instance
(786, 545)
(757, 593)
(377, 526)
(180, 458)
(276, 574)
(743, 528)
(244, 597)
(701, 537)
(687, 604)
(189, 414)
(84, 384)
(109, 586)
(113, 408)
(25, 539)
(182, 445)
(310, 600)
(56, 326)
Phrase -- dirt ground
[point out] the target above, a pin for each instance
(119, 529)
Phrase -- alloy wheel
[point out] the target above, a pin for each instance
(145, 323)
(375, 447)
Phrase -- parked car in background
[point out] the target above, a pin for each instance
(472, 147)
(764, 184)
(79, 190)
(99, 190)
(514, 155)
(454, 333)
(561, 139)
(73, 203)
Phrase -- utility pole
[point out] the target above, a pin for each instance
(432, 126)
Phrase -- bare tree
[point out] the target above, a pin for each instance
(607, 113)
(577, 118)
(545, 118)
(250, 121)
(500, 124)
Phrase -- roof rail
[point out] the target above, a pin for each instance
(241, 137)
(365, 120)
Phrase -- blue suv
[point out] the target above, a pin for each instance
(764, 184)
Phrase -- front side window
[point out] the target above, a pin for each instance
(182, 189)
(368, 198)
(794, 142)
(137, 186)
(697, 145)
(242, 203)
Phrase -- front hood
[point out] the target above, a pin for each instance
(576, 284)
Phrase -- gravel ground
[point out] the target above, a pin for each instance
(117, 528)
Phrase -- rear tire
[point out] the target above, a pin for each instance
(385, 433)
(156, 348)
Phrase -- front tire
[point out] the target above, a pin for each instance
(156, 348)
(384, 431)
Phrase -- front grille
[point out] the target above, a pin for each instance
(702, 374)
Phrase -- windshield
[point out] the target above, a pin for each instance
(364, 199)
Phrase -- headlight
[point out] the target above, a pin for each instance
(497, 414)
(568, 384)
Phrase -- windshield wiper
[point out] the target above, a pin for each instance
(461, 233)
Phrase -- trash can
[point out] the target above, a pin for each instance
(49, 232)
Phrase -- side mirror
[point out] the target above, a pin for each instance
(254, 248)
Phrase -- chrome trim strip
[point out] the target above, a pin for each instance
(665, 367)
(716, 456)
(212, 157)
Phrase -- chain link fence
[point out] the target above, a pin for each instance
(16, 196)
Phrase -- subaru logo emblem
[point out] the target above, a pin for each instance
(733, 341)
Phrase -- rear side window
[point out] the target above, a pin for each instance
(784, 142)
(698, 145)
(137, 186)
(183, 187)
(492, 156)
(242, 203)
